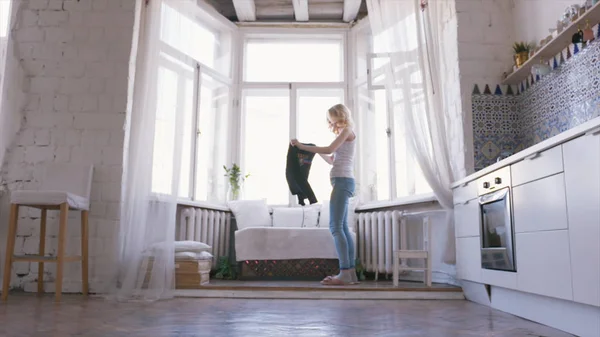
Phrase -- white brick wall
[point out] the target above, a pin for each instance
(485, 38)
(533, 18)
(76, 55)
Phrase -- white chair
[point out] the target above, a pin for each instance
(424, 254)
(64, 187)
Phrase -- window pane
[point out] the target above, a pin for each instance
(374, 182)
(409, 176)
(173, 136)
(164, 132)
(313, 128)
(187, 139)
(266, 139)
(300, 60)
(213, 140)
(210, 47)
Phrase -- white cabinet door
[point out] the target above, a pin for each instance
(468, 259)
(467, 219)
(544, 263)
(537, 166)
(582, 178)
(464, 192)
(540, 205)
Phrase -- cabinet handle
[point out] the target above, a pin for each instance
(533, 156)
(593, 132)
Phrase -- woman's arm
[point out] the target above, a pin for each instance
(327, 158)
(325, 149)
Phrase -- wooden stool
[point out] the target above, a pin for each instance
(50, 198)
(424, 254)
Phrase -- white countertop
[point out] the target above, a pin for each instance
(563, 137)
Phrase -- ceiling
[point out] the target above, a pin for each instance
(291, 10)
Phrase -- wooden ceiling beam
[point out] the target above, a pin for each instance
(351, 9)
(300, 10)
(245, 10)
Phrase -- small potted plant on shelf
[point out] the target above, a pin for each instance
(235, 181)
(521, 50)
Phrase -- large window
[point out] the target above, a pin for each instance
(285, 82)
(289, 83)
(388, 169)
(192, 127)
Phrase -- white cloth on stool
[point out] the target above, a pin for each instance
(49, 198)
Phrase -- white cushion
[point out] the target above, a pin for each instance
(191, 246)
(49, 198)
(250, 213)
(306, 216)
(182, 256)
(324, 216)
(179, 247)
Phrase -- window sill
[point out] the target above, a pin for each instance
(412, 200)
(203, 204)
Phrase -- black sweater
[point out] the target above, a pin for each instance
(296, 173)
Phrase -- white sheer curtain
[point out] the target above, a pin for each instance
(411, 42)
(12, 97)
(145, 259)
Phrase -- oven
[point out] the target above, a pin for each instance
(497, 230)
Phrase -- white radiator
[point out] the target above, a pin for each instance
(208, 226)
(379, 234)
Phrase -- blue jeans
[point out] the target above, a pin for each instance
(343, 189)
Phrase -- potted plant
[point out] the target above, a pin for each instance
(235, 181)
(521, 50)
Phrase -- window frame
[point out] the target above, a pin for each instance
(249, 33)
(210, 19)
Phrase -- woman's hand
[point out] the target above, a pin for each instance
(294, 142)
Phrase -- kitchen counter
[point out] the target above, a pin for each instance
(589, 126)
(551, 209)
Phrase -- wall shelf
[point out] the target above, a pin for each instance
(555, 46)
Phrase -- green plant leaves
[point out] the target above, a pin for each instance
(225, 271)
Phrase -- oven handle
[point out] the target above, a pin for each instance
(494, 196)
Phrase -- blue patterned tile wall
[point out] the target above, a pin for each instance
(495, 127)
(563, 99)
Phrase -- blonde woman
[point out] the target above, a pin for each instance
(339, 154)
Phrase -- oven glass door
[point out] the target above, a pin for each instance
(497, 233)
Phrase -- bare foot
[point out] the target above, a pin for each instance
(333, 281)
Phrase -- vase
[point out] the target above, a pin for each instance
(234, 194)
(521, 58)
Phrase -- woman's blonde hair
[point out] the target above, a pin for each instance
(341, 117)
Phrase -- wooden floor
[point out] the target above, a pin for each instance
(25, 315)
